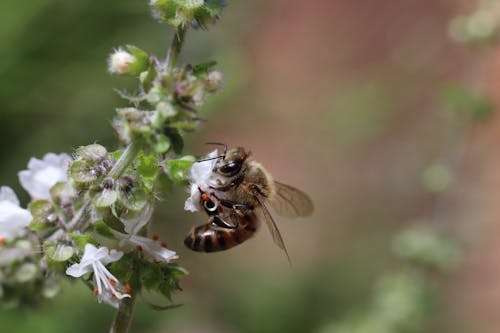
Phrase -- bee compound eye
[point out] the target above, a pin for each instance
(230, 168)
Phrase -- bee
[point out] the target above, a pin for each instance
(244, 192)
(219, 234)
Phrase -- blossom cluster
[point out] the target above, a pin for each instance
(89, 215)
(68, 247)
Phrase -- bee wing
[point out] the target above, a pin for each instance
(290, 201)
(273, 228)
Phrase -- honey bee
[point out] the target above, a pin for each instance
(246, 190)
(219, 234)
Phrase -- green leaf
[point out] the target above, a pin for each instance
(82, 240)
(187, 126)
(141, 62)
(151, 275)
(123, 268)
(175, 139)
(208, 13)
(116, 154)
(162, 144)
(203, 68)
(177, 169)
(147, 165)
(147, 78)
(101, 228)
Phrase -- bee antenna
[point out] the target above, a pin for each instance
(219, 144)
(211, 158)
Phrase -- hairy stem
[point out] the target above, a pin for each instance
(123, 317)
(175, 49)
(128, 156)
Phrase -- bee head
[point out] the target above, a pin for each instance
(232, 162)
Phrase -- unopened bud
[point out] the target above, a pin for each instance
(215, 80)
(119, 62)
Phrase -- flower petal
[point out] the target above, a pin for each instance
(8, 194)
(43, 174)
(13, 220)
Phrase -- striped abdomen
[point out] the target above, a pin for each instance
(210, 238)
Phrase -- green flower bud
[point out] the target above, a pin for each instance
(132, 193)
(62, 253)
(84, 172)
(43, 214)
(93, 152)
(104, 194)
(132, 62)
(215, 81)
(176, 12)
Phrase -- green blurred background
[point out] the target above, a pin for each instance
(339, 98)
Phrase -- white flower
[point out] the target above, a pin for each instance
(119, 61)
(13, 218)
(151, 248)
(94, 261)
(43, 174)
(110, 299)
(134, 224)
(202, 177)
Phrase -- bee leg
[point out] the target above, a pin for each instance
(220, 222)
(235, 206)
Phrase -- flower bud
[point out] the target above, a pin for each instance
(132, 61)
(215, 80)
(119, 62)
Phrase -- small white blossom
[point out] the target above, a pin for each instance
(8, 255)
(43, 174)
(119, 61)
(94, 261)
(110, 299)
(134, 224)
(201, 176)
(13, 218)
(215, 80)
(151, 248)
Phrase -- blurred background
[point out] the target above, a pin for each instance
(369, 106)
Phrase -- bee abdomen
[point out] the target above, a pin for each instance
(207, 238)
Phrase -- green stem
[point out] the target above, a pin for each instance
(123, 317)
(175, 48)
(128, 156)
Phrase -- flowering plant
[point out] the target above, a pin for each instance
(90, 213)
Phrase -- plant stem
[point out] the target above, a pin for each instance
(128, 156)
(175, 49)
(123, 317)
